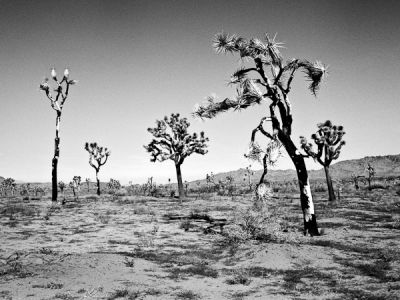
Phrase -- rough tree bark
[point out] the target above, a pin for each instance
(331, 192)
(54, 163)
(306, 199)
(180, 183)
(98, 182)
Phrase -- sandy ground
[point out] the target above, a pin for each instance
(125, 248)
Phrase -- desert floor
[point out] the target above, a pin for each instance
(127, 247)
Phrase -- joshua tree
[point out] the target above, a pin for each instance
(247, 177)
(57, 103)
(329, 141)
(9, 184)
(113, 185)
(87, 183)
(272, 81)
(61, 185)
(186, 187)
(210, 179)
(75, 185)
(355, 179)
(98, 156)
(230, 184)
(172, 141)
(371, 174)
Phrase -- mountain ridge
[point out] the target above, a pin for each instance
(385, 166)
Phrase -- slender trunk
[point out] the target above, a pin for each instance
(54, 162)
(181, 189)
(331, 192)
(98, 183)
(307, 205)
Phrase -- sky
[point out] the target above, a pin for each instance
(137, 61)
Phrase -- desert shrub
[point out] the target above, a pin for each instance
(91, 197)
(129, 262)
(240, 276)
(234, 235)
(121, 192)
(396, 222)
(185, 224)
(189, 295)
(377, 186)
(19, 209)
(276, 189)
(257, 224)
(143, 210)
(320, 188)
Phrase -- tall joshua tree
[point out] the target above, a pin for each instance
(329, 141)
(98, 156)
(172, 141)
(266, 77)
(57, 103)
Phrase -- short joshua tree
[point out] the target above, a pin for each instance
(210, 179)
(172, 141)
(57, 103)
(61, 186)
(98, 156)
(356, 178)
(75, 185)
(113, 185)
(371, 174)
(329, 142)
(247, 177)
(87, 180)
(9, 184)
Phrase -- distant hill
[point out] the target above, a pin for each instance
(385, 166)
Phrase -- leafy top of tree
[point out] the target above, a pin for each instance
(61, 90)
(328, 139)
(172, 140)
(97, 155)
(268, 72)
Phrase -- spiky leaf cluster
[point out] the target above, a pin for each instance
(61, 89)
(270, 72)
(271, 153)
(172, 140)
(328, 140)
(98, 156)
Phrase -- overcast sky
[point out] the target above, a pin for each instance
(137, 61)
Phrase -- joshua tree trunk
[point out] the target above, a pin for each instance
(181, 189)
(331, 192)
(54, 163)
(98, 182)
(307, 205)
